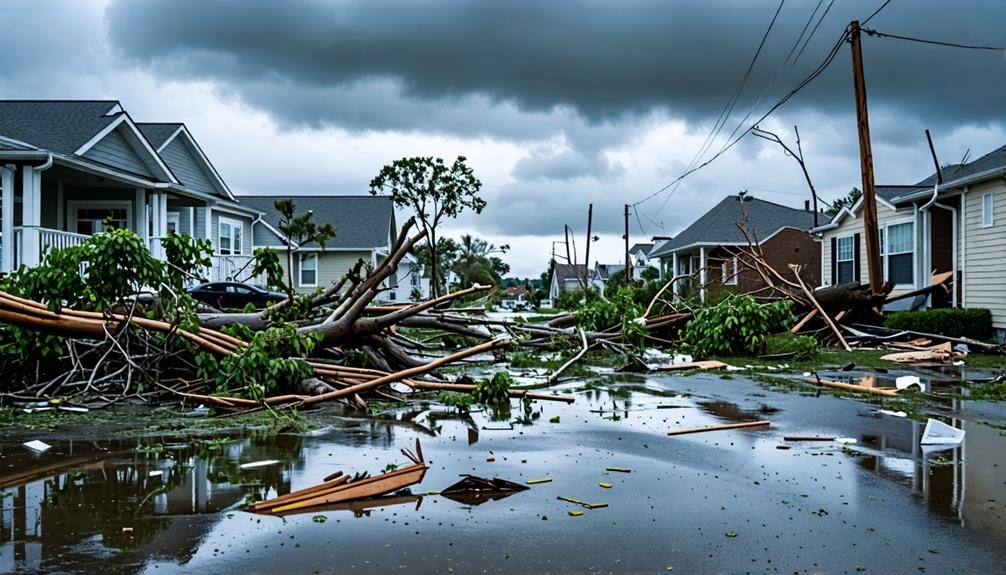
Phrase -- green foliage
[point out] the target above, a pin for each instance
(266, 263)
(952, 322)
(298, 230)
(802, 347)
(270, 361)
(573, 299)
(433, 190)
(620, 309)
(847, 202)
(650, 274)
(738, 325)
(495, 390)
(184, 253)
(459, 401)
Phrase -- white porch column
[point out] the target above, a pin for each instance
(674, 272)
(159, 222)
(702, 273)
(31, 216)
(7, 218)
(140, 215)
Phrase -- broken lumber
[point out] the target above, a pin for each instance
(743, 425)
(886, 392)
(820, 310)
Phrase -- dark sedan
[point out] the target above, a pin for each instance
(223, 295)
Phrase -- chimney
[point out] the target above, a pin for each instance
(806, 205)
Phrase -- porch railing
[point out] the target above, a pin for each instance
(48, 239)
(232, 269)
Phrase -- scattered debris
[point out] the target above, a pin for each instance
(37, 446)
(575, 513)
(605, 485)
(939, 433)
(846, 440)
(618, 469)
(720, 427)
(537, 481)
(344, 488)
(888, 392)
(264, 463)
(475, 490)
(909, 382)
(705, 364)
(807, 438)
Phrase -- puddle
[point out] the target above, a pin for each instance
(724, 501)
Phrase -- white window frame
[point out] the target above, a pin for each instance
(988, 213)
(885, 242)
(232, 224)
(75, 205)
(300, 269)
(731, 279)
(852, 240)
(175, 218)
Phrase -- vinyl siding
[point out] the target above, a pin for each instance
(263, 236)
(186, 167)
(246, 235)
(200, 223)
(854, 225)
(331, 266)
(114, 150)
(983, 252)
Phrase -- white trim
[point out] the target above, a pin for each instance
(886, 245)
(991, 211)
(19, 143)
(852, 238)
(137, 135)
(116, 109)
(729, 280)
(171, 137)
(176, 217)
(300, 269)
(183, 129)
(232, 223)
(73, 205)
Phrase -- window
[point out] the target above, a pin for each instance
(173, 222)
(730, 272)
(91, 220)
(845, 260)
(897, 248)
(230, 237)
(988, 218)
(308, 274)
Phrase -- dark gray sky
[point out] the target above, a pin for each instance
(556, 104)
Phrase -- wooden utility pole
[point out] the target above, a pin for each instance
(586, 257)
(628, 264)
(870, 226)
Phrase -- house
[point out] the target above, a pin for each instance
(365, 229)
(514, 297)
(954, 226)
(711, 249)
(566, 278)
(640, 255)
(69, 167)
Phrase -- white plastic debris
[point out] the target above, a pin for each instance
(37, 446)
(909, 381)
(258, 464)
(939, 433)
(892, 413)
(680, 358)
(155, 473)
(962, 348)
(845, 440)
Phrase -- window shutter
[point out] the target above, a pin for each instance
(855, 257)
(834, 261)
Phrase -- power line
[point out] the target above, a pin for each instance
(728, 108)
(800, 86)
(932, 42)
(875, 12)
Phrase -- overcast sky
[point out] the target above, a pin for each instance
(556, 104)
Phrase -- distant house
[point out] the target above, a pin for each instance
(927, 228)
(70, 167)
(640, 255)
(565, 278)
(514, 297)
(365, 229)
(711, 250)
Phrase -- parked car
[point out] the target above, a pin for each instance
(234, 295)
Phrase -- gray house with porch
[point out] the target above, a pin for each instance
(67, 168)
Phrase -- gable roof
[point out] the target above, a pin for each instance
(990, 161)
(604, 272)
(568, 272)
(641, 248)
(718, 226)
(361, 222)
(60, 126)
(158, 133)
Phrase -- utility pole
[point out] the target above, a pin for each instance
(586, 257)
(870, 226)
(628, 265)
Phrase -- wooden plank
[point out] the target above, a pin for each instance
(369, 487)
(744, 425)
(856, 388)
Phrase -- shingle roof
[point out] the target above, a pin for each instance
(719, 225)
(158, 132)
(564, 272)
(990, 161)
(60, 126)
(645, 248)
(888, 193)
(606, 271)
(361, 222)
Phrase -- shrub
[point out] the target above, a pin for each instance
(952, 322)
(737, 325)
